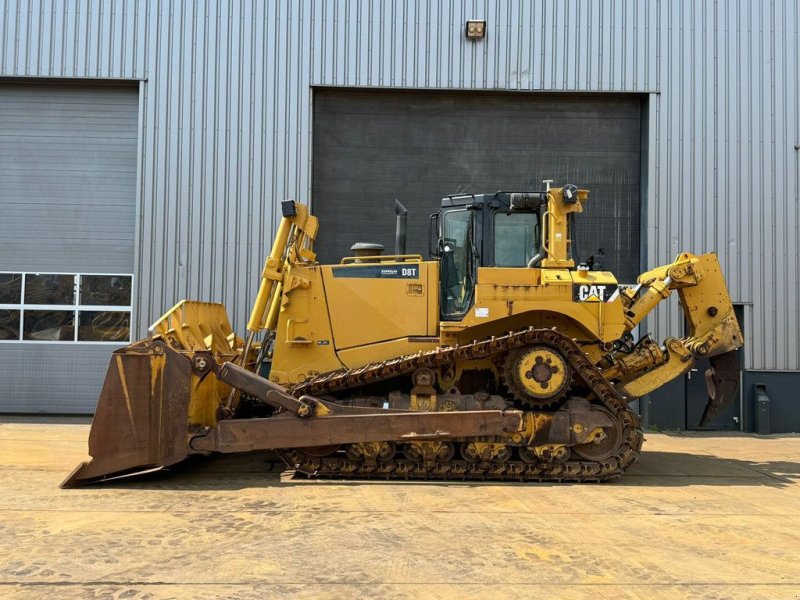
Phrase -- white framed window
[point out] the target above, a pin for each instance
(65, 307)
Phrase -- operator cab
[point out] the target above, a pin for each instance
(482, 230)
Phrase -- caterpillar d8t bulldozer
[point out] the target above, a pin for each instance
(498, 359)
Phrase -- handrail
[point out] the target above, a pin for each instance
(545, 232)
(348, 260)
(152, 329)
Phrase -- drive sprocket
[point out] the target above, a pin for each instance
(537, 376)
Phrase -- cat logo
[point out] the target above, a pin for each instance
(584, 292)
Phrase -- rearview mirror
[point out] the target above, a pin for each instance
(434, 248)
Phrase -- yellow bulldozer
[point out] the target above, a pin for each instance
(499, 358)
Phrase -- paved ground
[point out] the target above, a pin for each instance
(700, 516)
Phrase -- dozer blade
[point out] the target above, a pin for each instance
(722, 381)
(141, 418)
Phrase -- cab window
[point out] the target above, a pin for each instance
(516, 238)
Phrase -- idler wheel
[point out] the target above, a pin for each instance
(604, 447)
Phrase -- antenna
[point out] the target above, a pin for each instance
(460, 191)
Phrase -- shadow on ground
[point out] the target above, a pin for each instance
(654, 469)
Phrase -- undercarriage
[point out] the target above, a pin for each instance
(591, 437)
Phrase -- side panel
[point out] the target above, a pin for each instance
(374, 302)
(541, 298)
(365, 308)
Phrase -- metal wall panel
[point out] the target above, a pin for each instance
(227, 117)
(50, 378)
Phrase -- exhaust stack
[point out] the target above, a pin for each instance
(400, 229)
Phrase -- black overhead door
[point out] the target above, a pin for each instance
(373, 146)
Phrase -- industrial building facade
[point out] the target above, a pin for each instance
(145, 146)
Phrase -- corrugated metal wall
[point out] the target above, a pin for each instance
(227, 117)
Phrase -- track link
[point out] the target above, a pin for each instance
(513, 470)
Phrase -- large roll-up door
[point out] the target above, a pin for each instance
(373, 146)
(68, 204)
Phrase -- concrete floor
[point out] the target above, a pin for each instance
(699, 516)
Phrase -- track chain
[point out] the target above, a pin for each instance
(512, 470)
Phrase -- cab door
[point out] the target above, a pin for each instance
(459, 263)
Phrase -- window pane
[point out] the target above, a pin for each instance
(49, 325)
(49, 289)
(105, 290)
(9, 324)
(457, 284)
(104, 326)
(456, 239)
(10, 288)
(514, 239)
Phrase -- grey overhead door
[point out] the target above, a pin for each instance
(373, 146)
(68, 205)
